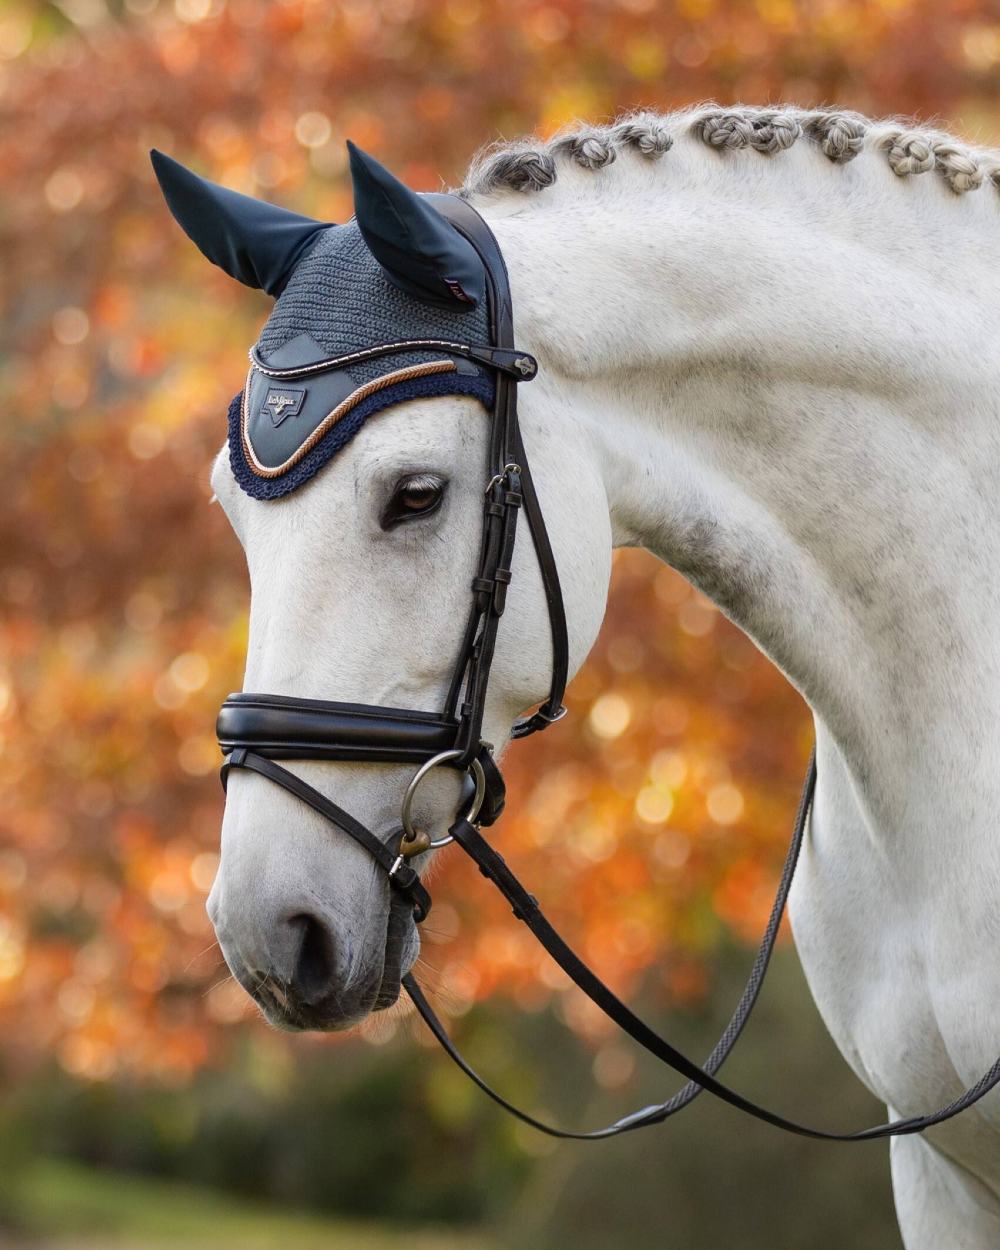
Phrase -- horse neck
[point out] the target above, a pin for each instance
(787, 372)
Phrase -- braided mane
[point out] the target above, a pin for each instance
(840, 135)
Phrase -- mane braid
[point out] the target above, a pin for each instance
(839, 134)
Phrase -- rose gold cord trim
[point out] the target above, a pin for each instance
(331, 418)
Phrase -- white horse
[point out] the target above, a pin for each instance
(770, 353)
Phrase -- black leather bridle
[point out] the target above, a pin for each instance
(256, 730)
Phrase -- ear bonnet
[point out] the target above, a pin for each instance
(398, 272)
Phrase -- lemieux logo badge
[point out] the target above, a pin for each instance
(283, 401)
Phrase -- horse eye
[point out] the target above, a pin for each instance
(418, 495)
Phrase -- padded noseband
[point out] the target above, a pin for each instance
(302, 729)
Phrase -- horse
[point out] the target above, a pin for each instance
(766, 341)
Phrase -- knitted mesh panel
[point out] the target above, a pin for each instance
(339, 295)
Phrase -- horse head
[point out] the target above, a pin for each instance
(357, 489)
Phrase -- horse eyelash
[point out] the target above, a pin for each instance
(420, 481)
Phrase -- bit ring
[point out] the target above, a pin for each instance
(476, 771)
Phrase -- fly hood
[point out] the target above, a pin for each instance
(386, 308)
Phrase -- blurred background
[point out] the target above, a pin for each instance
(142, 1103)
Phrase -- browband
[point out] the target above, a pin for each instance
(519, 365)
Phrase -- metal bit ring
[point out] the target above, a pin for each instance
(475, 769)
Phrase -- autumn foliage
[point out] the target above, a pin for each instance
(653, 820)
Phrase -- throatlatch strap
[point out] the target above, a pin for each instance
(552, 709)
(525, 907)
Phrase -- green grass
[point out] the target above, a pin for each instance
(67, 1204)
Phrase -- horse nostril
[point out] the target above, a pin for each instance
(316, 963)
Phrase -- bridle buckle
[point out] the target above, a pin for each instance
(502, 476)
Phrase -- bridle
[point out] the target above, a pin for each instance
(256, 730)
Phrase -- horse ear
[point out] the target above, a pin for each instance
(419, 251)
(253, 241)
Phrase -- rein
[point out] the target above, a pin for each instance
(256, 730)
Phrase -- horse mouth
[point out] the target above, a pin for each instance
(338, 1011)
